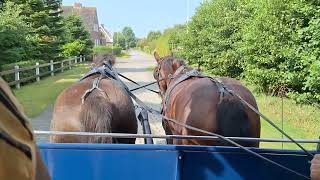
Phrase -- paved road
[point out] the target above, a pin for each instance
(133, 67)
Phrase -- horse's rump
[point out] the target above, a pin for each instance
(197, 102)
(106, 111)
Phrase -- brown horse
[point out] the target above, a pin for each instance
(106, 109)
(197, 102)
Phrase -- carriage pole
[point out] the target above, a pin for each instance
(144, 120)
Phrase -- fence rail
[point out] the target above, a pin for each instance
(51, 66)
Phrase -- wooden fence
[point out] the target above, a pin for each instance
(16, 71)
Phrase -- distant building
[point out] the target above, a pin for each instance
(99, 34)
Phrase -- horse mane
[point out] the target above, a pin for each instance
(100, 58)
(179, 62)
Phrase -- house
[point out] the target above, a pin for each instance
(98, 33)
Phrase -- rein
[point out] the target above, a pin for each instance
(114, 75)
(221, 87)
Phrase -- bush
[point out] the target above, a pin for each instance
(107, 49)
(272, 44)
(73, 49)
(147, 49)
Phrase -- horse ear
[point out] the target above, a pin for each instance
(156, 56)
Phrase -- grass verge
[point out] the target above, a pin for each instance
(36, 97)
(123, 55)
(150, 69)
(299, 121)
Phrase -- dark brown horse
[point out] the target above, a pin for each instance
(198, 102)
(106, 109)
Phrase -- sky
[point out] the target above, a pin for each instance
(142, 16)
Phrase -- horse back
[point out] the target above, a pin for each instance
(67, 109)
(195, 102)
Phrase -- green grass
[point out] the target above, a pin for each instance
(123, 55)
(36, 97)
(150, 69)
(299, 121)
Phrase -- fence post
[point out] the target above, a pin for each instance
(37, 72)
(80, 59)
(62, 65)
(70, 63)
(75, 60)
(51, 68)
(17, 76)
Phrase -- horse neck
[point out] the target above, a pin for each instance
(91, 78)
(176, 77)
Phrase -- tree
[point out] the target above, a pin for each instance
(129, 37)
(141, 43)
(76, 37)
(119, 40)
(153, 35)
(45, 23)
(53, 38)
(13, 34)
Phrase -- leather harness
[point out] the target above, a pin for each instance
(186, 76)
(105, 71)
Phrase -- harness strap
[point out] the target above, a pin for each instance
(95, 85)
(221, 87)
(187, 75)
(105, 71)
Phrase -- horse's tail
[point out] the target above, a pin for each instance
(96, 115)
(232, 119)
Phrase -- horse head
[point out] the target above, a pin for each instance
(102, 58)
(166, 67)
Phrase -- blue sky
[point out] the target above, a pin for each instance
(142, 15)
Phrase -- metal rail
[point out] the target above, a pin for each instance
(125, 135)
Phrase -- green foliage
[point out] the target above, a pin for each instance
(53, 38)
(119, 40)
(270, 43)
(35, 29)
(153, 35)
(164, 43)
(129, 36)
(107, 49)
(77, 38)
(14, 37)
(74, 48)
(141, 43)
(125, 39)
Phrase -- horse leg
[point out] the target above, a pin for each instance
(124, 140)
(167, 130)
(233, 120)
(255, 126)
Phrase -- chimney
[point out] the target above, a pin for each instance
(77, 5)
